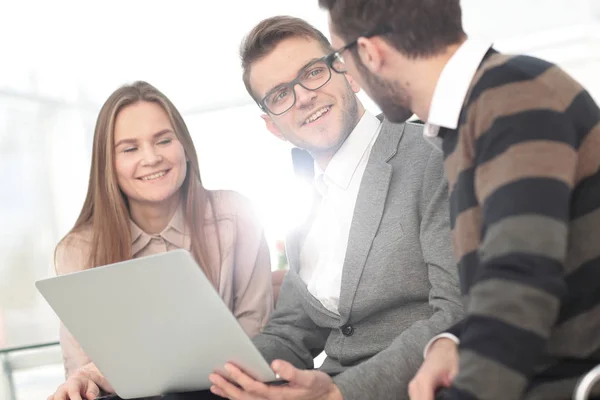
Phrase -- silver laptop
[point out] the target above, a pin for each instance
(152, 325)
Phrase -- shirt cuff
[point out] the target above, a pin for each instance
(440, 336)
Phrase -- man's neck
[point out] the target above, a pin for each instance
(427, 72)
(323, 159)
(153, 218)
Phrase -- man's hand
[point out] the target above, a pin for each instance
(302, 385)
(438, 370)
(85, 383)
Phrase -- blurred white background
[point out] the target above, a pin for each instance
(59, 60)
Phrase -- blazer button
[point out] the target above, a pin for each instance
(347, 330)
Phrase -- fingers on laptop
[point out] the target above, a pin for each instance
(76, 389)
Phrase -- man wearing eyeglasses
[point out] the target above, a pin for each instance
(521, 140)
(371, 275)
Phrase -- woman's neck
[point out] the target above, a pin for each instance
(153, 218)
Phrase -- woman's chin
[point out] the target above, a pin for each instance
(154, 199)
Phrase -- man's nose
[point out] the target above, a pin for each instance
(304, 96)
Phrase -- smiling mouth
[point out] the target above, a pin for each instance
(317, 115)
(154, 176)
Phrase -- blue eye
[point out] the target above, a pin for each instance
(315, 72)
(279, 96)
(130, 150)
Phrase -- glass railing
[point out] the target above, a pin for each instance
(30, 372)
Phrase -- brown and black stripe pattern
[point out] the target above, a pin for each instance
(524, 174)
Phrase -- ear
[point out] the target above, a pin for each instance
(372, 53)
(272, 127)
(353, 84)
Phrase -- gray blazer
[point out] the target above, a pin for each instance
(399, 282)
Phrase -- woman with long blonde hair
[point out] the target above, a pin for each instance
(145, 196)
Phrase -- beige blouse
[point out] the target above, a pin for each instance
(245, 279)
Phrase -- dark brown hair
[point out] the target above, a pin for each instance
(268, 34)
(419, 28)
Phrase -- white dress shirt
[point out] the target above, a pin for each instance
(324, 250)
(452, 86)
(447, 102)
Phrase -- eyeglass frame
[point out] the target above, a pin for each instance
(329, 61)
(337, 54)
(292, 85)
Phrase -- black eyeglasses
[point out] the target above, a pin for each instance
(335, 60)
(312, 77)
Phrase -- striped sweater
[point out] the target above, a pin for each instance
(524, 176)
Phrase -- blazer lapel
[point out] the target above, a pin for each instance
(368, 212)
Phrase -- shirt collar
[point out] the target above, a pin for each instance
(174, 233)
(343, 164)
(453, 85)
